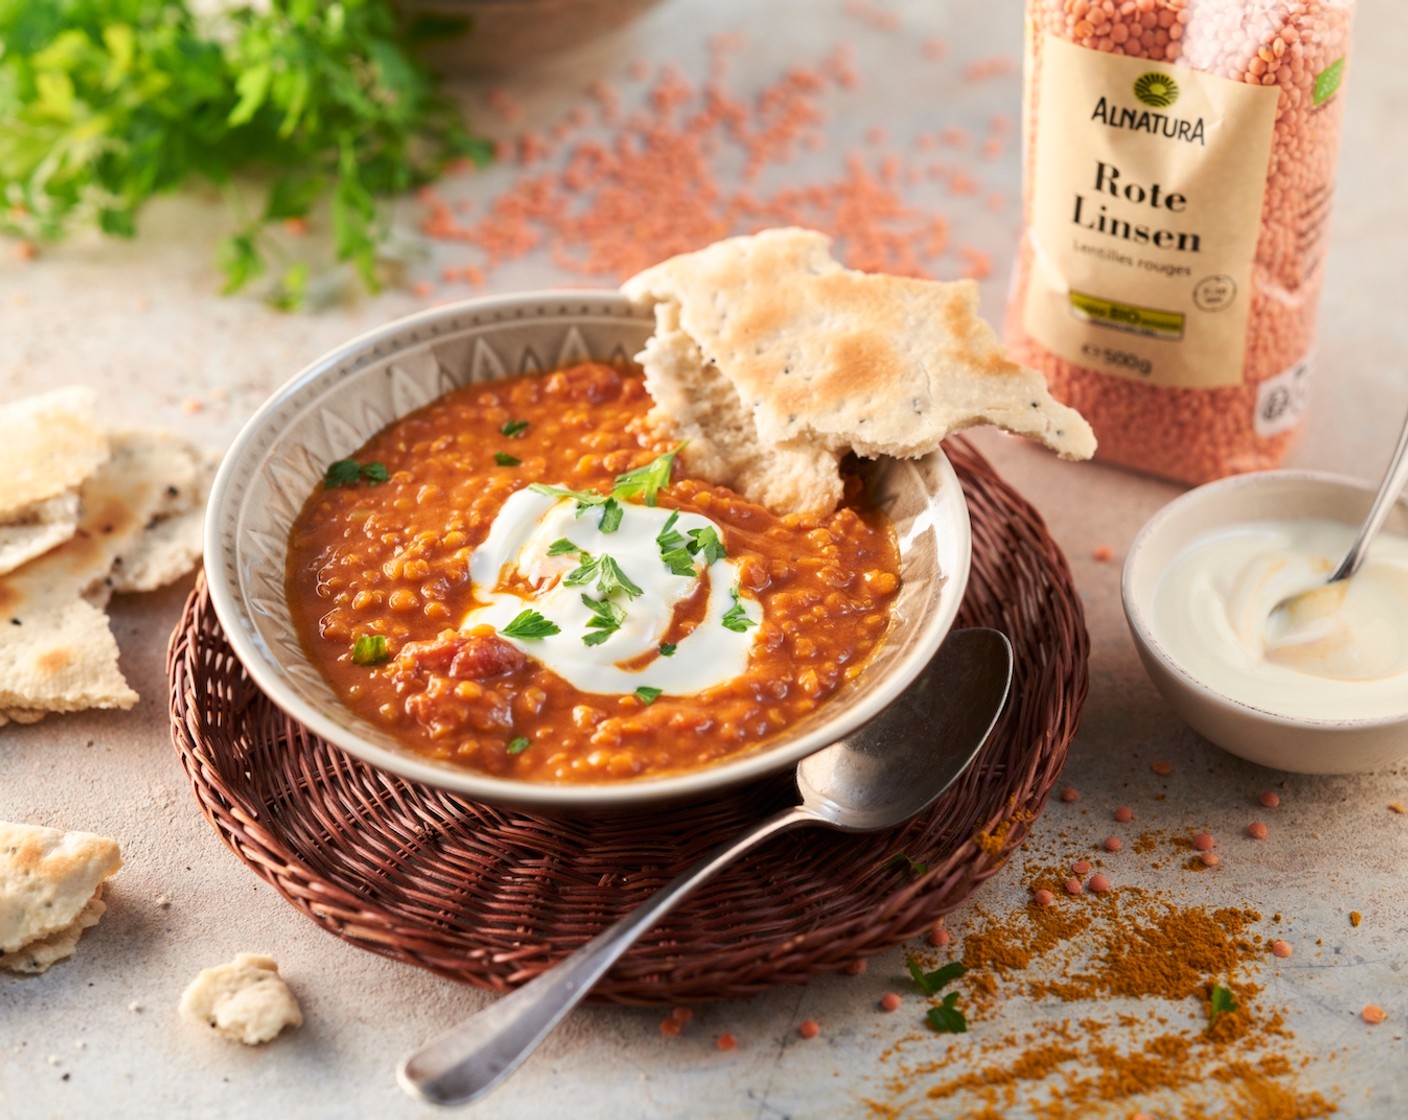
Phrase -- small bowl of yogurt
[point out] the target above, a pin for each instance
(1322, 689)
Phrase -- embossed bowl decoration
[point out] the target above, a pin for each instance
(339, 402)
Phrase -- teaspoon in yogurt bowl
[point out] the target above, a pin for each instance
(893, 768)
(1310, 626)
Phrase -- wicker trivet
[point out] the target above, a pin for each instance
(493, 896)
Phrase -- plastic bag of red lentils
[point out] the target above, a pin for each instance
(1179, 167)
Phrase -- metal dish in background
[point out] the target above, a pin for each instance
(341, 400)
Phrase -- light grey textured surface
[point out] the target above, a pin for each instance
(99, 1034)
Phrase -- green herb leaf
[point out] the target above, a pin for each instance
(606, 619)
(611, 515)
(734, 618)
(585, 499)
(370, 650)
(584, 572)
(1220, 1002)
(529, 626)
(375, 473)
(647, 694)
(646, 482)
(679, 561)
(669, 538)
(613, 579)
(504, 459)
(562, 546)
(514, 429)
(706, 541)
(931, 982)
(667, 649)
(517, 745)
(344, 472)
(915, 867)
(946, 1018)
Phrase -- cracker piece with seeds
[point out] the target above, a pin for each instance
(50, 891)
(35, 529)
(823, 356)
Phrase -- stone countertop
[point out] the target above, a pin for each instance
(142, 321)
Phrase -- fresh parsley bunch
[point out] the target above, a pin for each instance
(106, 103)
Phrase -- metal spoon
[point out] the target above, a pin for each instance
(1306, 607)
(882, 775)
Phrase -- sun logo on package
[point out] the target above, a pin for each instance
(1158, 90)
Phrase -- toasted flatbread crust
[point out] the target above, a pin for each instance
(52, 443)
(47, 879)
(841, 360)
(35, 529)
(38, 955)
(245, 1000)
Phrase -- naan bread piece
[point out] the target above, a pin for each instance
(51, 443)
(245, 1000)
(57, 653)
(37, 956)
(841, 360)
(47, 879)
(36, 529)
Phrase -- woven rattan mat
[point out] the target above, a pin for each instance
(494, 896)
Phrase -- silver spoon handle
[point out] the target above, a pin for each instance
(1394, 480)
(468, 1060)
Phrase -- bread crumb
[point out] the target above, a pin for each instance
(245, 1000)
(1397, 807)
(1355, 917)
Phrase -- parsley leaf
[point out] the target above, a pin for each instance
(514, 429)
(669, 538)
(529, 626)
(504, 459)
(1220, 1002)
(584, 572)
(931, 982)
(517, 745)
(648, 695)
(348, 472)
(611, 515)
(901, 859)
(562, 546)
(734, 618)
(613, 579)
(606, 619)
(679, 561)
(946, 1018)
(706, 541)
(370, 650)
(646, 482)
(585, 499)
(667, 649)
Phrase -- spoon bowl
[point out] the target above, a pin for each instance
(892, 768)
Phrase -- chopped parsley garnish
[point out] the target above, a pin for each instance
(915, 867)
(370, 650)
(585, 499)
(606, 619)
(648, 695)
(667, 649)
(706, 541)
(611, 513)
(734, 618)
(561, 547)
(504, 459)
(529, 626)
(517, 745)
(931, 982)
(348, 472)
(514, 429)
(646, 482)
(1220, 1003)
(679, 561)
(607, 573)
(946, 1018)
(669, 538)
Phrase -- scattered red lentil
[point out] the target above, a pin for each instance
(1209, 859)
(1256, 830)
(857, 967)
(1373, 1013)
(1043, 897)
(1203, 842)
(810, 1028)
(1070, 794)
(1113, 843)
(671, 1028)
(890, 1001)
(1397, 807)
(1098, 883)
(1103, 554)
(1081, 867)
(1161, 768)
(682, 1014)
(1269, 800)
(1124, 814)
(1281, 948)
(1073, 886)
(726, 1041)
(939, 937)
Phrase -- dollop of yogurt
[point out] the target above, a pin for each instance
(518, 555)
(1336, 652)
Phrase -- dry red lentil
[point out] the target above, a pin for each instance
(1281, 948)
(810, 1028)
(1256, 830)
(1269, 800)
(393, 560)
(1204, 842)
(1161, 768)
(1373, 1013)
(1297, 47)
(1069, 794)
(1124, 814)
(1113, 843)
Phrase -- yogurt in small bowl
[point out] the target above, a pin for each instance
(1320, 689)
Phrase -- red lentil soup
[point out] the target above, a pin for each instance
(379, 583)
